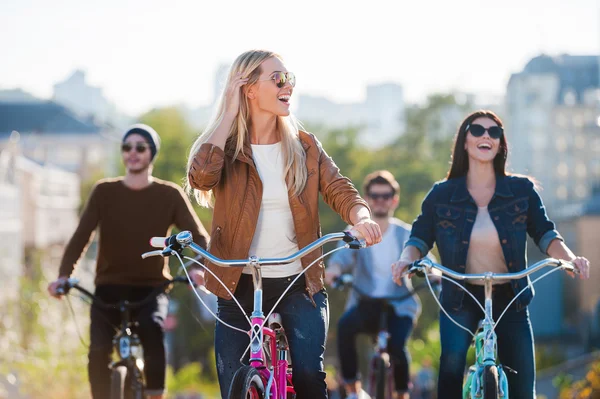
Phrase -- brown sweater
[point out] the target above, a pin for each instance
(126, 220)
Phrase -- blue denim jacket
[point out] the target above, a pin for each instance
(447, 217)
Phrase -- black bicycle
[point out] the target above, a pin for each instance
(127, 377)
(380, 378)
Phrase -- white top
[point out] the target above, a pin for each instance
(485, 252)
(384, 254)
(275, 235)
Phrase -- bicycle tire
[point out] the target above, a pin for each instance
(247, 384)
(490, 382)
(380, 378)
(118, 382)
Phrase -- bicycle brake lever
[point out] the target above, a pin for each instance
(417, 270)
(352, 241)
(152, 253)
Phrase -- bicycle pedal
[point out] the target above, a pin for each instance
(275, 321)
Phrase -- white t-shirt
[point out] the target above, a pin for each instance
(275, 235)
(384, 254)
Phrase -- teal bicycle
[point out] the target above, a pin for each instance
(486, 379)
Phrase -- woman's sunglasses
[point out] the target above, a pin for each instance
(495, 132)
(139, 147)
(281, 78)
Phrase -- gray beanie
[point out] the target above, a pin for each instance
(146, 132)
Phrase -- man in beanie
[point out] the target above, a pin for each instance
(128, 211)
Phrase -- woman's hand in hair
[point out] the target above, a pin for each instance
(233, 93)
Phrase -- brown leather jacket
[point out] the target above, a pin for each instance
(238, 192)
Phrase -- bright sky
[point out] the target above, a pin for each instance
(146, 53)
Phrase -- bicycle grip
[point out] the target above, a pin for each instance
(158, 242)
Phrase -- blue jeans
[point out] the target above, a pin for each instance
(365, 318)
(305, 325)
(515, 344)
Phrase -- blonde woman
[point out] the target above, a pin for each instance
(264, 176)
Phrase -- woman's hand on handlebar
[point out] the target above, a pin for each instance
(399, 268)
(583, 265)
(367, 229)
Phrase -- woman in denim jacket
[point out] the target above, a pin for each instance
(479, 217)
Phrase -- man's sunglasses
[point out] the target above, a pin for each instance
(383, 196)
(139, 147)
(495, 132)
(281, 78)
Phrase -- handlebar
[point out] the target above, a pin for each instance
(176, 243)
(74, 283)
(426, 265)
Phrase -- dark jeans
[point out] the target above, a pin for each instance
(305, 326)
(104, 325)
(365, 318)
(515, 344)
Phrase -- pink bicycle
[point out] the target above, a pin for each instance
(269, 372)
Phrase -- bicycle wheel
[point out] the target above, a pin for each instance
(490, 382)
(246, 384)
(117, 382)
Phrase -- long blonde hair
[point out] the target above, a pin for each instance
(294, 157)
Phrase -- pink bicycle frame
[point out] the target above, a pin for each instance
(275, 376)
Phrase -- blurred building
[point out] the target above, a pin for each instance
(11, 226)
(40, 203)
(580, 225)
(52, 134)
(553, 107)
(38, 213)
(87, 101)
(380, 117)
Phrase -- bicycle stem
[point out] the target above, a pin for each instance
(489, 352)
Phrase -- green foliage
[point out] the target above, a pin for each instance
(41, 362)
(187, 381)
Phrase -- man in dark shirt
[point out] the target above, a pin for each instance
(128, 211)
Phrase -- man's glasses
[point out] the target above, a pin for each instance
(495, 132)
(139, 147)
(281, 78)
(383, 196)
